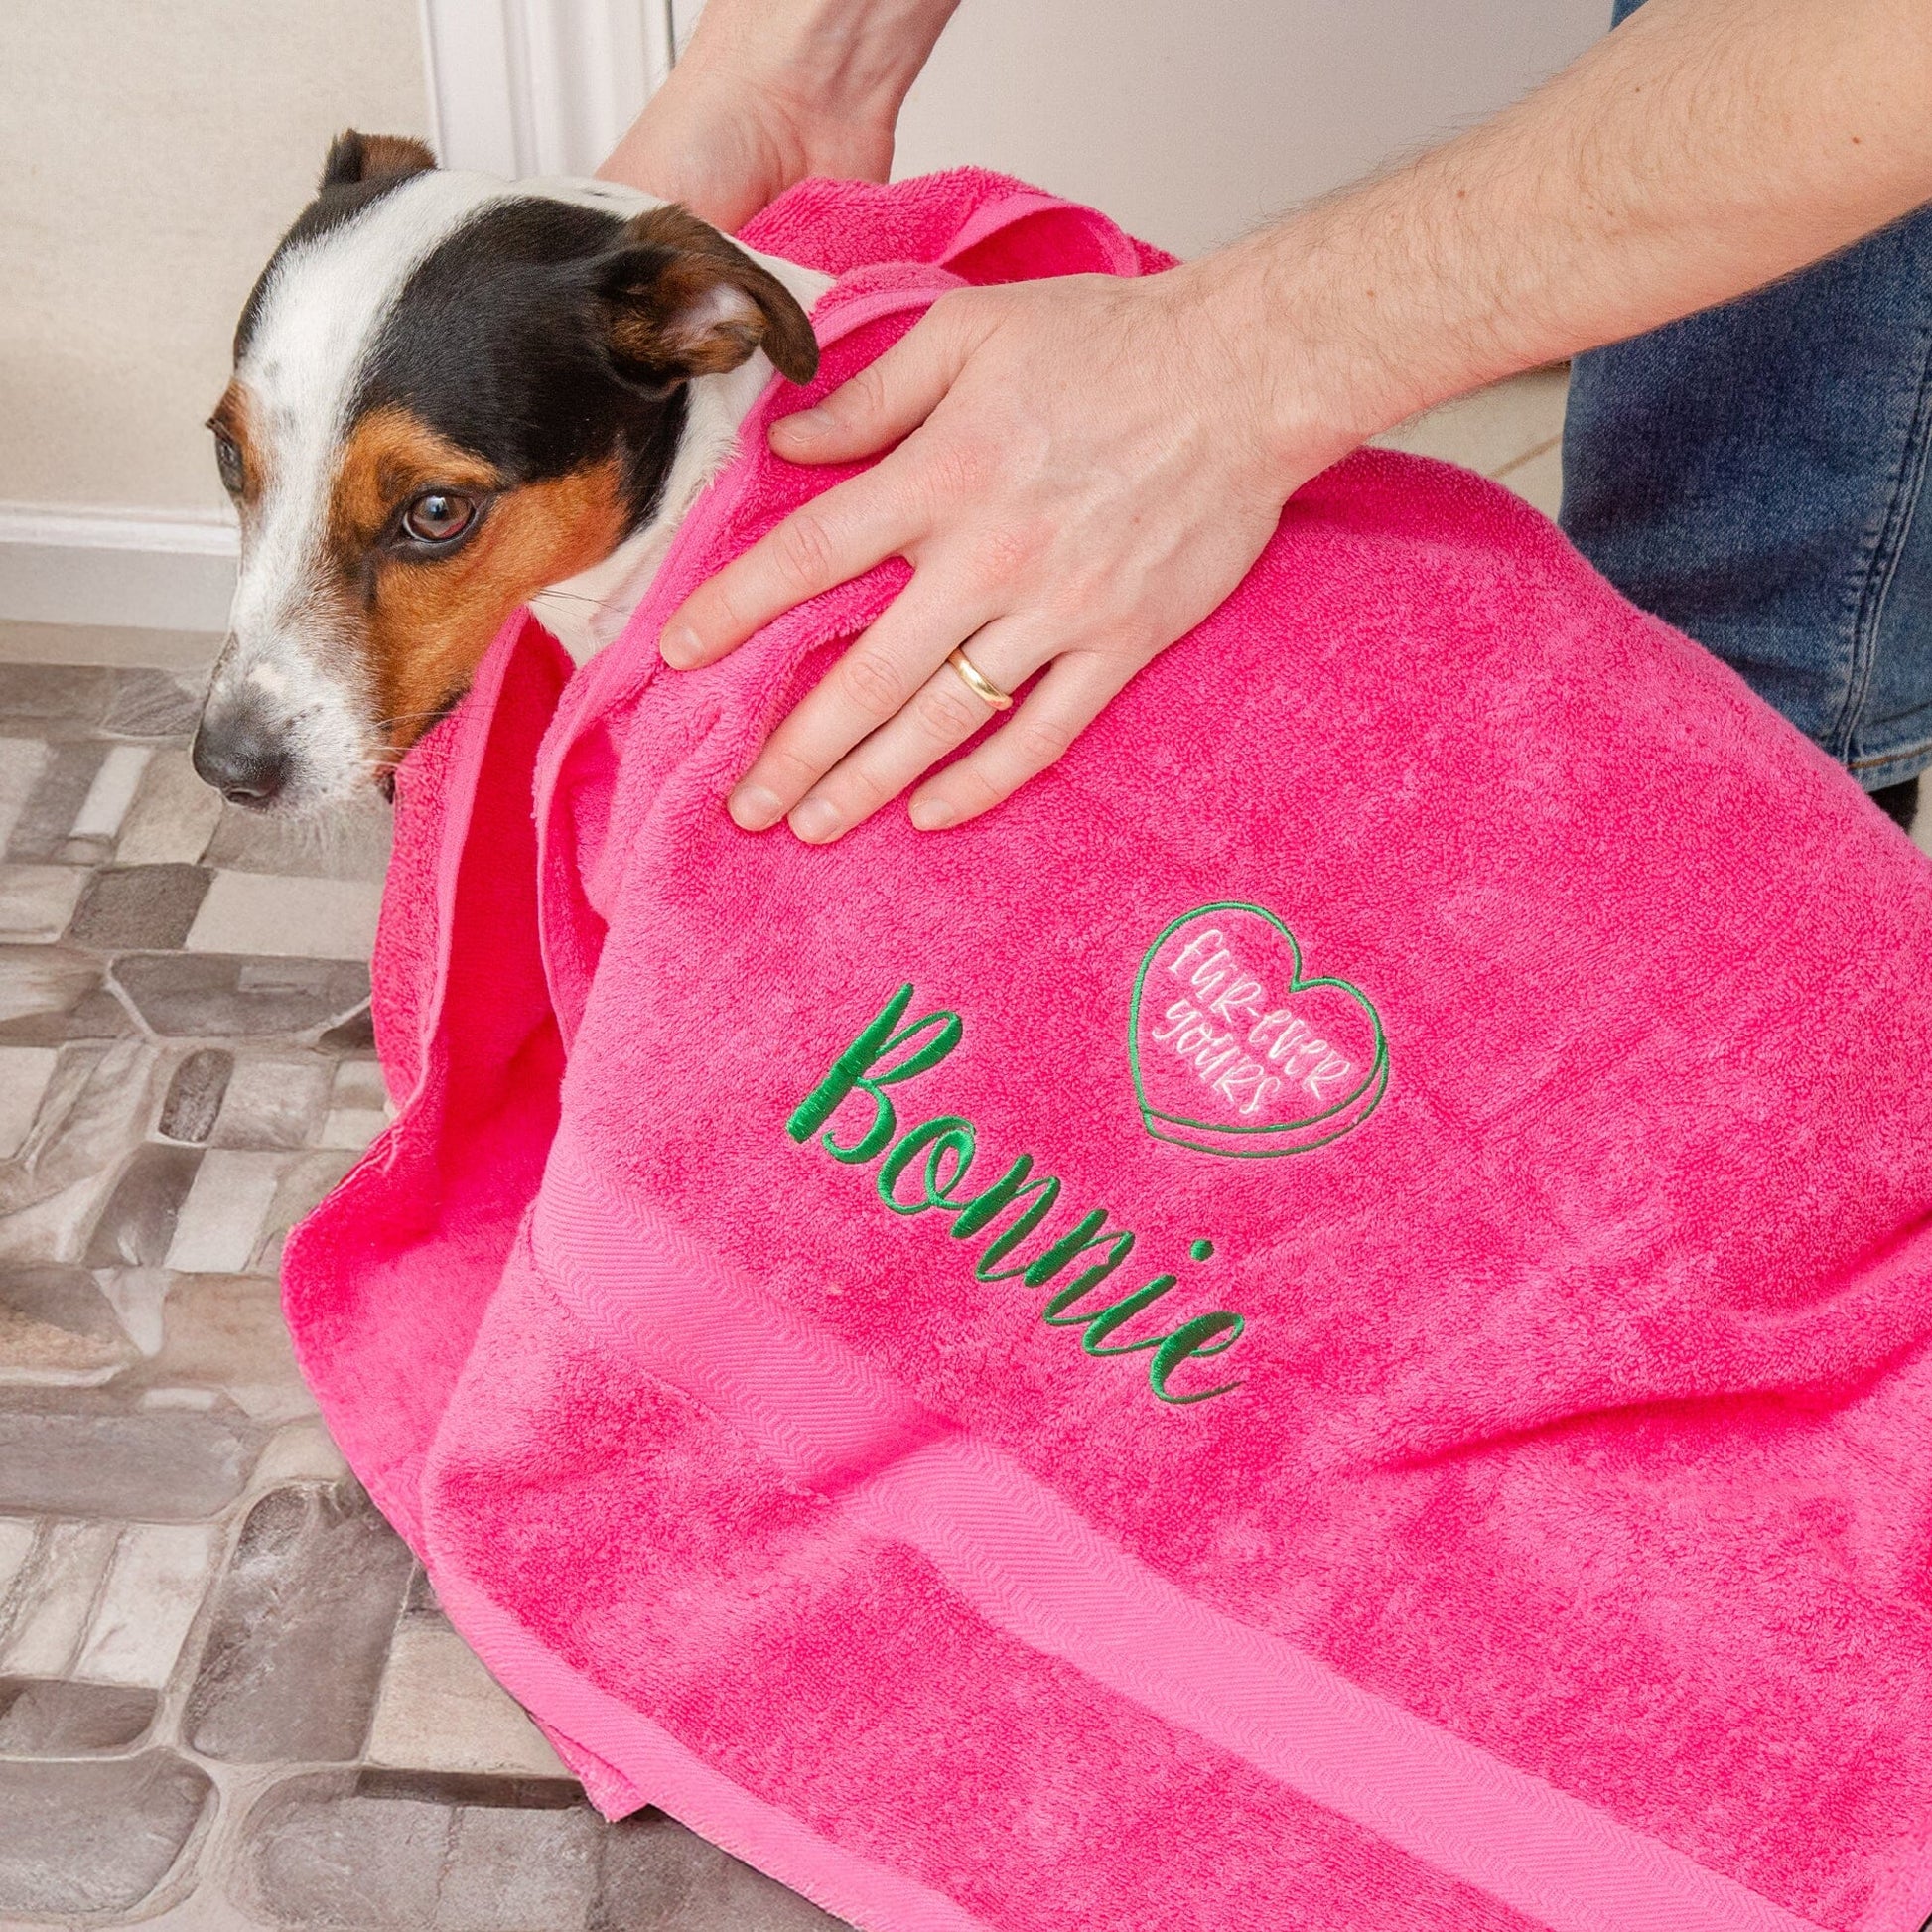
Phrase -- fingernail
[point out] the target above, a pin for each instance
(753, 809)
(680, 648)
(815, 821)
(806, 423)
(929, 815)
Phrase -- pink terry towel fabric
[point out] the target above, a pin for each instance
(1321, 1321)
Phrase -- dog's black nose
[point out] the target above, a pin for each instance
(241, 760)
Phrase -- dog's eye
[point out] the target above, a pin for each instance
(439, 516)
(227, 459)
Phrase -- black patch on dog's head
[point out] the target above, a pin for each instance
(543, 336)
(493, 343)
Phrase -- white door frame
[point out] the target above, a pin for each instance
(543, 87)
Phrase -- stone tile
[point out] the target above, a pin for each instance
(137, 1226)
(24, 1075)
(17, 1538)
(67, 694)
(300, 918)
(43, 823)
(195, 1095)
(1538, 480)
(512, 1870)
(196, 1907)
(351, 1128)
(303, 1451)
(174, 814)
(21, 762)
(1493, 428)
(145, 908)
(349, 843)
(172, 1395)
(46, 1716)
(44, 979)
(657, 1876)
(226, 1332)
(317, 1857)
(223, 997)
(53, 1596)
(301, 1625)
(359, 1084)
(36, 901)
(221, 1220)
(440, 1710)
(382, 1854)
(137, 1296)
(306, 1179)
(84, 1454)
(95, 1107)
(421, 1601)
(147, 703)
(356, 1033)
(56, 1326)
(274, 1102)
(154, 1586)
(50, 993)
(357, 1106)
(94, 1837)
(111, 792)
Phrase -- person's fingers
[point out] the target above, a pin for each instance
(942, 713)
(869, 684)
(1074, 691)
(885, 400)
(836, 537)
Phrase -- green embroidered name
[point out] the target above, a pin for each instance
(924, 1170)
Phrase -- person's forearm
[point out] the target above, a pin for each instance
(1704, 149)
(836, 57)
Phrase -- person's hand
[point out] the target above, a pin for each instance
(769, 91)
(1091, 465)
(725, 142)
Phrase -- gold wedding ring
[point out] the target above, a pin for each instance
(981, 687)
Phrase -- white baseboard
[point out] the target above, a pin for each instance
(134, 569)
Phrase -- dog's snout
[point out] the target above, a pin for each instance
(242, 759)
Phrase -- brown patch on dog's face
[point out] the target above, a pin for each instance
(424, 614)
(240, 453)
(684, 301)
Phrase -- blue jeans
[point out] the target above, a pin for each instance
(1753, 476)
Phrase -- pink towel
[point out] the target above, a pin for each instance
(1321, 1321)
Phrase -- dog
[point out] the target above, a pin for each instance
(455, 395)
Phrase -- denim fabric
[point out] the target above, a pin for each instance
(1753, 476)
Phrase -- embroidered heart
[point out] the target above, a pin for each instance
(1235, 1052)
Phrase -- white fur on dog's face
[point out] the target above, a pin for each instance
(292, 654)
(348, 636)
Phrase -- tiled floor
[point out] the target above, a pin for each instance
(227, 1700)
(227, 1703)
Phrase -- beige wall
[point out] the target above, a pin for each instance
(1190, 120)
(151, 152)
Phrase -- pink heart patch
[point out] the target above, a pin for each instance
(1235, 1052)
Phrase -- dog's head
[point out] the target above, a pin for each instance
(450, 392)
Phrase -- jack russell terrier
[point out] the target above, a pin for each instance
(453, 395)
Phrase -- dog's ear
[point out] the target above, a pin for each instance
(681, 300)
(357, 158)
